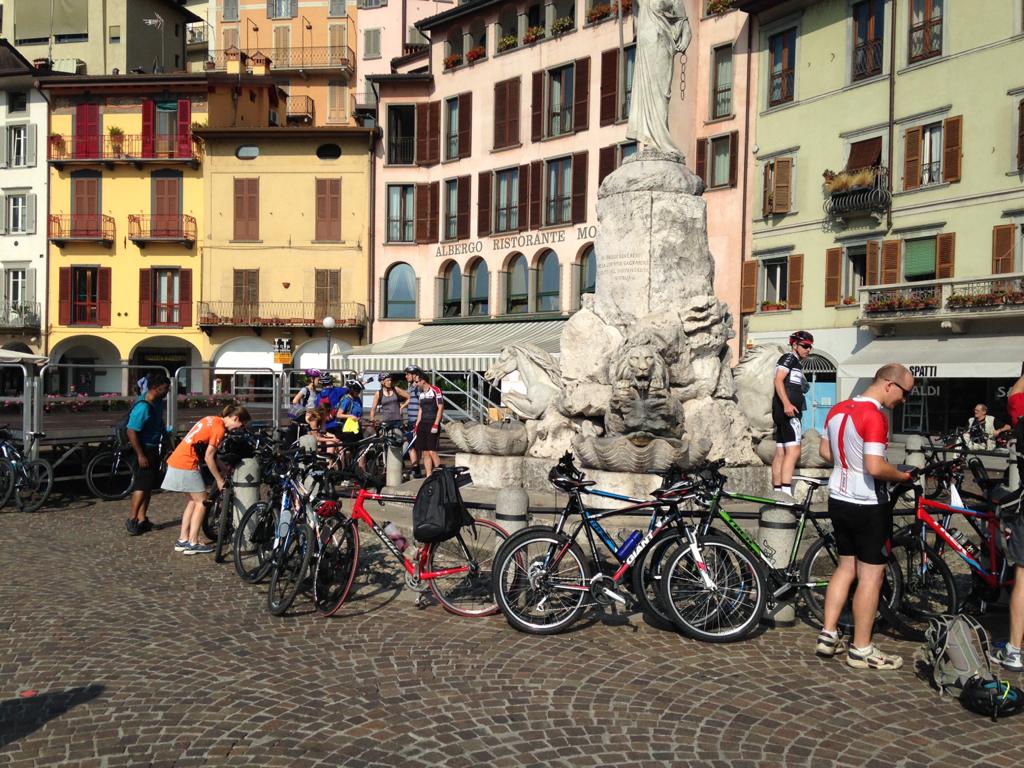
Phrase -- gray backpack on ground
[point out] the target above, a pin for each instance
(956, 649)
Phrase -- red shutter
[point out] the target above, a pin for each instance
(1003, 248)
(952, 147)
(890, 262)
(103, 295)
(579, 188)
(912, 158)
(748, 287)
(145, 298)
(512, 134)
(87, 130)
(536, 194)
(483, 211)
(609, 86)
(537, 108)
(422, 213)
(524, 197)
(945, 255)
(422, 128)
(462, 218)
(465, 127)
(434, 229)
(500, 114)
(434, 133)
(605, 163)
(873, 266)
(64, 296)
(700, 164)
(734, 158)
(581, 99)
(184, 128)
(795, 294)
(148, 123)
(833, 276)
(185, 297)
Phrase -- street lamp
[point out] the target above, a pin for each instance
(329, 323)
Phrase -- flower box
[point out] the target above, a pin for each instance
(772, 306)
(562, 25)
(475, 54)
(717, 7)
(848, 181)
(533, 34)
(507, 43)
(452, 61)
(849, 300)
(965, 300)
(598, 12)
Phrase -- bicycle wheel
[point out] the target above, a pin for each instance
(469, 592)
(336, 565)
(253, 542)
(927, 589)
(291, 562)
(225, 523)
(33, 481)
(211, 516)
(109, 475)
(647, 574)
(536, 597)
(6, 481)
(727, 609)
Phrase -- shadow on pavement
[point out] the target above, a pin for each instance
(23, 715)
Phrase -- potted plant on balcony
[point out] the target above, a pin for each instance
(116, 140)
(718, 7)
(507, 43)
(475, 54)
(599, 11)
(561, 25)
(452, 61)
(1013, 297)
(627, 6)
(533, 34)
(849, 300)
(772, 306)
(57, 144)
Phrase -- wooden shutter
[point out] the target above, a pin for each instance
(748, 287)
(766, 189)
(536, 194)
(483, 210)
(609, 86)
(185, 297)
(87, 130)
(500, 114)
(734, 158)
(145, 298)
(184, 128)
(912, 158)
(537, 108)
(795, 294)
(434, 228)
(890, 262)
(434, 133)
(1020, 135)
(241, 226)
(833, 276)
(512, 131)
(605, 162)
(64, 296)
(524, 197)
(1003, 256)
(579, 188)
(782, 178)
(873, 263)
(700, 165)
(148, 123)
(952, 147)
(103, 295)
(462, 218)
(423, 213)
(247, 209)
(328, 209)
(465, 127)
(422, 128)
(581, 97)
(945, 255)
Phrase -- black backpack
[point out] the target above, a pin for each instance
(439, 512)
(121, 428)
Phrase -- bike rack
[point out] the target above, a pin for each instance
(28, 393)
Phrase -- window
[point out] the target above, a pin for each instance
(775, 284)
(246, 294)
(868, 37)
(401, 213)
(931, 154)
(401, 134)
(337, 101)
(451, 209)
(371, 43)
(16, 288)
(627, 77)
(720, 160)
(559, 191)
(626, 149)
(611, 157)
(166, 297)
(17, 145)
(280, 9)
(451, 128)
(782, 53)
(247, 209)
(479, 278)
(84, 295)
(337, 7)
(717, 160)
(721, 88)
(588, 271)
(452, 298)
(328, 151)
(17, 101)
(925, 29)
(517, 285)
(166, 128)
(919, 259)
(506, 113)
(777, 189)
(548, 289)
(506, 201)
(328, 209)
(400, 293)
(230, 10)
(17, 214)
(327, 292)
(247, 152)
(560, 101)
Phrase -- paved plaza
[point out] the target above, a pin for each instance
(115, 651)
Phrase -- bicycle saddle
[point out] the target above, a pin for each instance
(676, 489)
(815, 481)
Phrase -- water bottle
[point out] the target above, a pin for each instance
(626, 547)
(394, 533)
(285, 520)
(963, 541)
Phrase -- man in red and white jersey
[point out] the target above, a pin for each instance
(428, 422)
(856, 435)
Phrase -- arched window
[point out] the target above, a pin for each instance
(518, 292)
(400, 292)
(479, 277)
(548, 294)
(588, 271)
(452, 301)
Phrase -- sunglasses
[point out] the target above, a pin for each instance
(906, 392)
(805, 345)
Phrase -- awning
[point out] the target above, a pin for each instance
(455, 347)
(951, 357)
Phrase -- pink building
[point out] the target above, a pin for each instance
(495, 139)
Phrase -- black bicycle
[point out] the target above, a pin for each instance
(29, 480)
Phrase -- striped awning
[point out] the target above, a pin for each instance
(455, 347)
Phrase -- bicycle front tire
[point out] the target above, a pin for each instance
(927, 589)
(253, 543)
(33, 482)
(225, 523)
(647, 575)
(6, 481)
(109, 475)
(291, 565)
(336, 565)
(469, 593)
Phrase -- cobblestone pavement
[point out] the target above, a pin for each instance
(139, 656)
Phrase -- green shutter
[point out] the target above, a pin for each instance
(919, 258)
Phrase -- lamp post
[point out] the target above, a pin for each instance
(328, 325)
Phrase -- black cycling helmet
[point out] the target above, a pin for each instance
(354, 386)
(234, 448)
(800, 337)
(415, 370)
(325, 379)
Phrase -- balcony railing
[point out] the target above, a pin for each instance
(867, 59)
(161, 228)
(780, 88)
(197, 33)
(858, 192)
(980, 298)
(401, 150)
(301, 109)
(19, 314)
(81, 227)
(306, 57)
(68, 148)
(294, 314)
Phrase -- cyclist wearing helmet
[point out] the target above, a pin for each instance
(330, 398)
(309, 395)
(412, 412)
(787, 406)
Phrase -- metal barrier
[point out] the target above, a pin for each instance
(466, 399)
(23, 401)
(220, 385)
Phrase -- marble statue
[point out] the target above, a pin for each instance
(662, 31)
(538, 371)
(488, 439)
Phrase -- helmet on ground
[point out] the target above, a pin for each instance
(800, 337)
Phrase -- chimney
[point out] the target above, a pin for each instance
(260, 64)
(235, 61)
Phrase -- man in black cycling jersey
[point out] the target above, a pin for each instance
(787, 407)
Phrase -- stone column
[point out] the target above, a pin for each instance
(464, 302)
(511, 509)
(776, 533)
(531, 289)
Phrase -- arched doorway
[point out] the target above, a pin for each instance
(820, 373)
(170, 353)
(84, 365)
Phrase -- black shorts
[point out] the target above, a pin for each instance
(427, 440)
(146, 479)
(861, 529)
(788, 430)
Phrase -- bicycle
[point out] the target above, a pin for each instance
(110, 473)
(29, 480)
(455, 571)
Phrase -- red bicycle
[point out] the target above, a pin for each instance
(456, 571)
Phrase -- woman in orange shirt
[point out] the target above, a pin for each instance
(183, 473)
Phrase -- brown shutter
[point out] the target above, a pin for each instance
(1003, 248)
(536, 194)
(145, 298)
(766, 189)
(833, 276)
(537, 108)
(700, 164)
(605, 162)
(500, 114)
(321, 209)
(782, 195)
(103, 295)
(64, 296)
(579, 188)
(247, 209)
(912, 158)
(513, 112)
(328, 209)
(952, 147)
(240, 210)
(422, 129)
(253, 211)
(422, 213)
(434, 230)
(434, 133)
(609, 86)
(1020, 135)
(945, 255)
(873, 265)
(890, 262)
(462, 217)
(581, 99)
(795, 294)
(734, 157)
(465, 125)
(524, 197)
(483, 211)
(185, 297)
(748, 287)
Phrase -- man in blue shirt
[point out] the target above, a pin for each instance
(330, 398)
(146, 430)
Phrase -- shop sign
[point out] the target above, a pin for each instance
(285, 358)
(923, 371)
